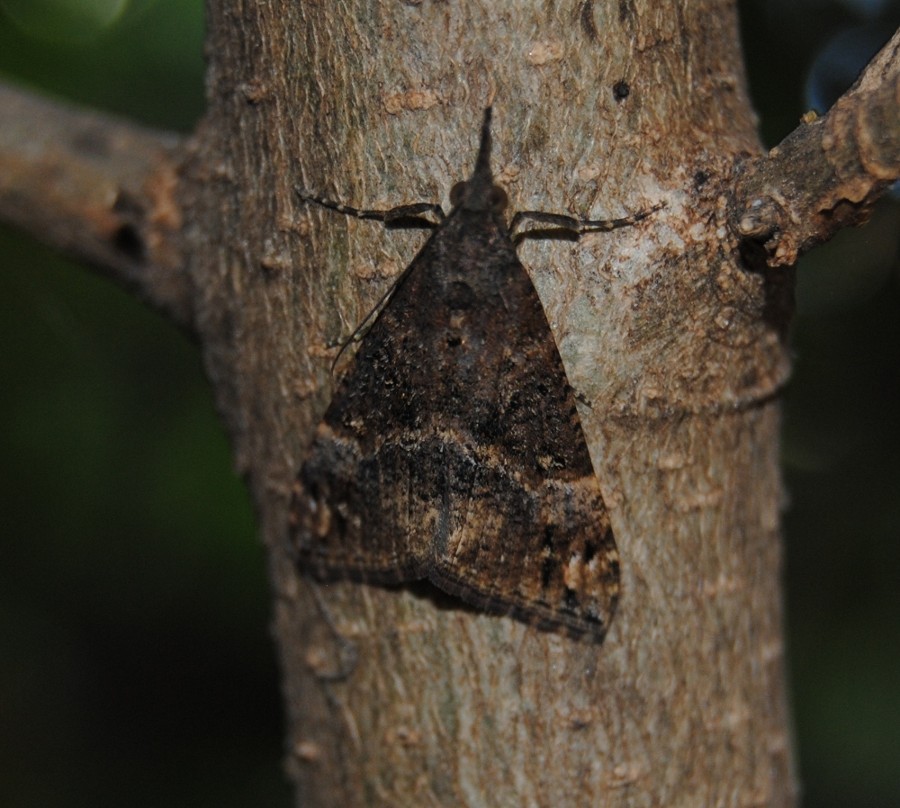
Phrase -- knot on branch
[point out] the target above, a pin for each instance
(826, 174)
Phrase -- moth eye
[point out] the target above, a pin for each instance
(456, 193)
(497, 199)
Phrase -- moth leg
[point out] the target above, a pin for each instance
(400, 216)
(360, 331)
(576, 226)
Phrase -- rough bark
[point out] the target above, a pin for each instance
(677, 346)
(673, 335)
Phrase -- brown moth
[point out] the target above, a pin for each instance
(452, 450)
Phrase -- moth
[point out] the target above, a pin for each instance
(452, 450)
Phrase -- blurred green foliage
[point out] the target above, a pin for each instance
(137, 667)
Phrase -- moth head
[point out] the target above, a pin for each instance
(474, 195)
(480, 193)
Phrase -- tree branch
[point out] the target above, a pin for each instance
(828, 173)
(98, 189)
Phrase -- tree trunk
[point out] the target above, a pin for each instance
(675, 344)
(673, 334)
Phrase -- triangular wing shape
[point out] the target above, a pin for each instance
(452, 449)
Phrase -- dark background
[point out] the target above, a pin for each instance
(136, 665)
